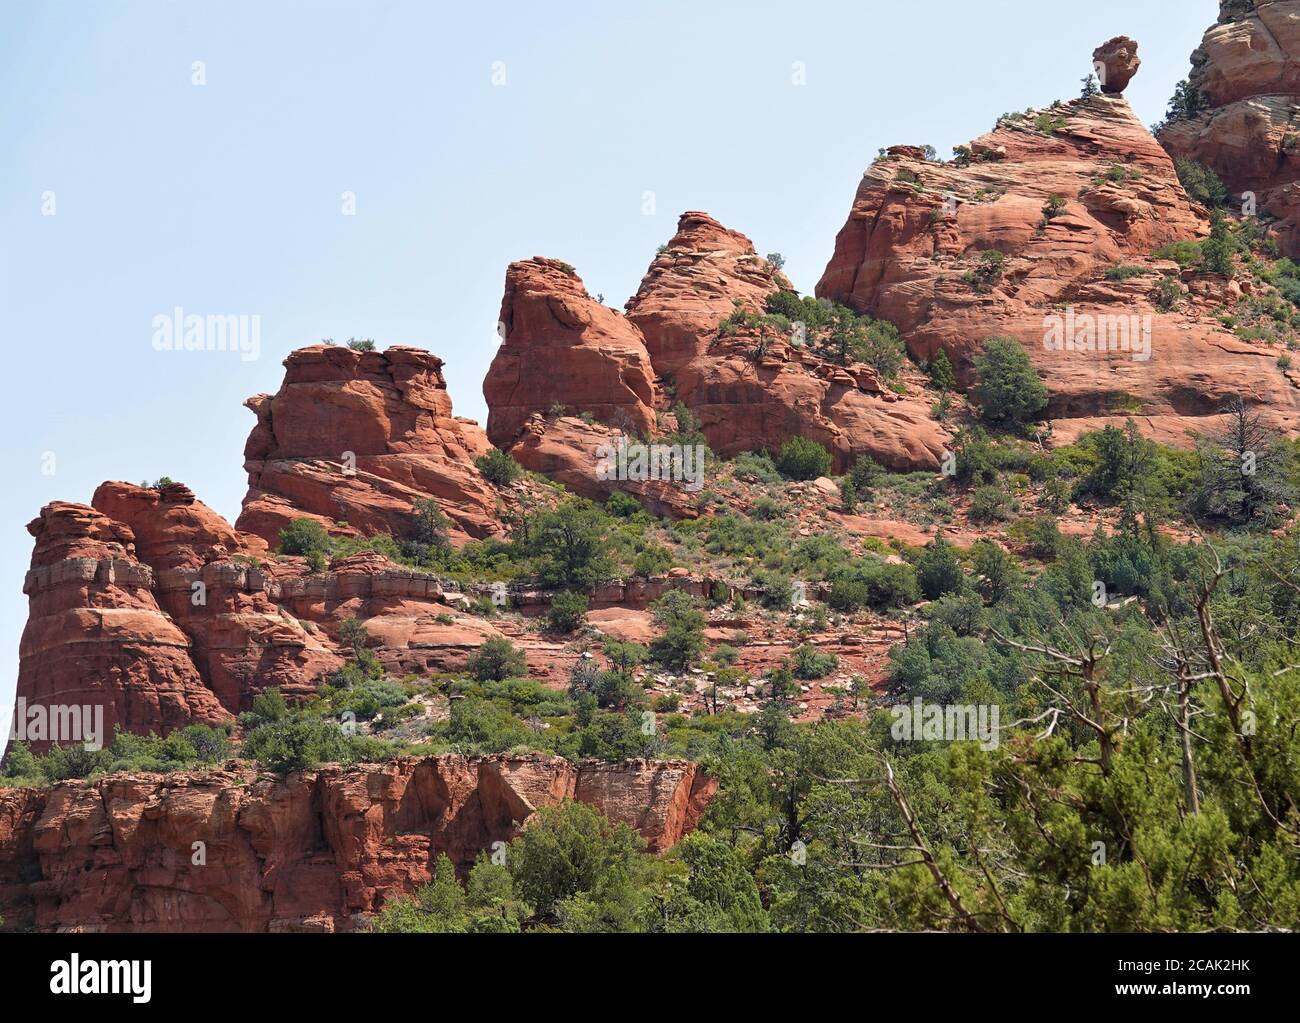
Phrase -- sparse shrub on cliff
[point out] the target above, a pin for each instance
(1168, 294)
(987, 273)
(941, 372)
(496, 659)
(269, 705)
(1201, 184)
(803, 459)
(865, 474)
(810, 663)
(305, 537)
(756, 467)
(498, 468)
(428, 540)
(1186, 102)
(836, 333)
(1049, 123)
(1008, 390)
(612, 689)
(622, 505)
(361, 344)
(1218, 249)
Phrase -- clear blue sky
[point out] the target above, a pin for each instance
(225, 198)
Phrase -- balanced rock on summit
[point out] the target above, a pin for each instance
(1019, 233)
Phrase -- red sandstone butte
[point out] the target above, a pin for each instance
(95, 634)
(389, 413)
(316, 851)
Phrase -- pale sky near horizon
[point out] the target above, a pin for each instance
(226, 197)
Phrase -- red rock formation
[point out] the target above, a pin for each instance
(388, 411)
(750, 402)
(1117, 62)
(563, 348)
(315, 851)
(172, 529)
(913, 243)
(571, 451)
(95, 635)
(1247, 74)
(209, 579)
(561, 345)
(693, 284)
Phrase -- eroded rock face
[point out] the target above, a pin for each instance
(209, 579)
(559, 345)
(912, 247)
(1247, 72)
(315, 851)
(358, 437)
(693, 284)
(571, 451)
(172, 528)
(743, 402)
(96, 636)
(748, 402)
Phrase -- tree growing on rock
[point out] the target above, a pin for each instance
(571, 544)
(1009, 390)
(682, 639)
(496, 660)
(1243, 469)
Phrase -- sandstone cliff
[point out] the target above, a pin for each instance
(564, 349)
(1246, 77)
(560, 346)
(231, 850)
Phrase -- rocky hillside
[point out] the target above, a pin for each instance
(1058, 210)
(1021, 395)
